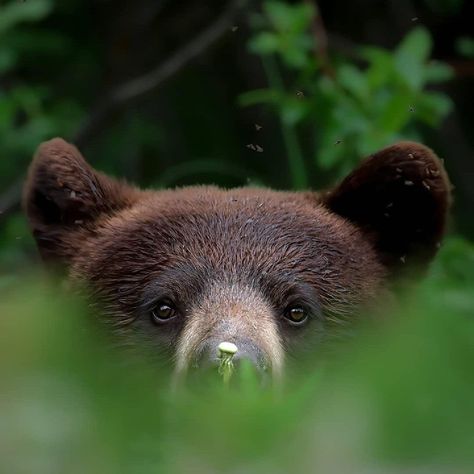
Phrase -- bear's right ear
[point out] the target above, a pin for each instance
(400, 198)
(63, 195)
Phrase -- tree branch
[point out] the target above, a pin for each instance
(134, 89)
(150, 81)
(321, 40)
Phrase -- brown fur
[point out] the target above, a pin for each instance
(233, 260)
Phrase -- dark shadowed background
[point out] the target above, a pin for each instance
(287, 95)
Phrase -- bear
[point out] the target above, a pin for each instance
(182, 270)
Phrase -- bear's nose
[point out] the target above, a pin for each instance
(217, 355)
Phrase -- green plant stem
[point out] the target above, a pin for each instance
(299, 177)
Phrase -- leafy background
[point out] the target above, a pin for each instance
(281, 94)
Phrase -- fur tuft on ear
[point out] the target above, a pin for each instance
(63, 193)
(400, 197)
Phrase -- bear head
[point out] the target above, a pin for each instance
(270, 271)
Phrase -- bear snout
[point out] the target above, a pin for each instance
(211, 356)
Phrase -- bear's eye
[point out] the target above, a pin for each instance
(163, 312)
(296, 315)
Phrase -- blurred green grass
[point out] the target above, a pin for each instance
(396, 398)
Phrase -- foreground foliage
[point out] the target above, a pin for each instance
(398, 395)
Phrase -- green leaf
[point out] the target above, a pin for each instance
(395, 114)
(295, 57)
(465, 46)
(293, 110)
(279, 14)
(264, 43)
(349, 116)
(289, 18)
(432, 107)
(411, 55)
(259, 96)
(381, 67)
(7, 111)
(7, 59)
(17, 12)
(436, 71)
(330, 155)
(353, 81)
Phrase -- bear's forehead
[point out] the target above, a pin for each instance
(237, 230)
(211, 219)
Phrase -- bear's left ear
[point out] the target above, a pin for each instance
(400, 197)
(63, 196)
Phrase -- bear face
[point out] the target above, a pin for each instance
(184, 270)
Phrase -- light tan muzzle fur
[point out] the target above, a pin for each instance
(236, 314)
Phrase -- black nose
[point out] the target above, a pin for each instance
(213, 353)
